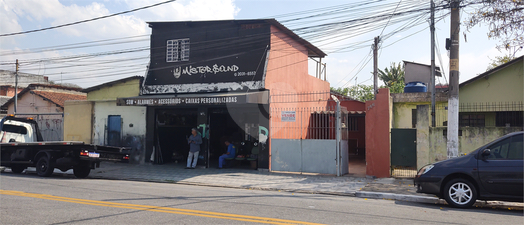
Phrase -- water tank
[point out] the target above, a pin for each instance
(412, 87)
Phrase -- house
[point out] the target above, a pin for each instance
(45, 103)
(8, 82)
(417, 72)
(228, 79)
(491, 105)
(494, 98)
(98, 120)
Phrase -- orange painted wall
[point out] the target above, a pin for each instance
(287, 69)
(378, 127)
(287, 73)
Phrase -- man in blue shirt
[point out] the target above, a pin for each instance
(194, 142)
(231, 153)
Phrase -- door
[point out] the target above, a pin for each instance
(501, 172)
(114, 129)
(404, 147)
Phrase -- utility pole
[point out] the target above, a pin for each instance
(453, 100)
(432, 80)
(16, 86)
(375, 67)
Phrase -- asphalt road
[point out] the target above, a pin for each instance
(29, 199)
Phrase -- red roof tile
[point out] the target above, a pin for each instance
(59, 98)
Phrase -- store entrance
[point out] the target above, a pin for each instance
(173, 126)
(238, 126)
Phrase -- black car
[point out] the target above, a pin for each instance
(492, 172)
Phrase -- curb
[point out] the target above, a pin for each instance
(435, 200)
(352, 194)
(400, 197)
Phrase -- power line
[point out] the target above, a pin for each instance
(328, 30)
(88, 20)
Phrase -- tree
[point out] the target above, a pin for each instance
(393, 77)
(499, 60)
(505, 20)
(361, 92)
(342, 91)
(358, 92)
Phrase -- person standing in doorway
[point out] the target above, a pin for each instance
(194, 142)
(231, 153)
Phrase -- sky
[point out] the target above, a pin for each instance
(48, 52)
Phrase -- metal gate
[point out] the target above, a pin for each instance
(403, 152)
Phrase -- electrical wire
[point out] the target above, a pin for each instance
(332, 30)
(85, 21)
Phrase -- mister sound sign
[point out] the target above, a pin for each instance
(196, 57)
(289, 116)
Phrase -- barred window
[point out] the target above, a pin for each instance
(472, 120)
(509, 119)
(177, 50)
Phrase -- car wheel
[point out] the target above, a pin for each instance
(44, 167)
(81, 171)
(18, 169)
(460, 193)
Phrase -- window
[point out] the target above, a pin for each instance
(509, 119)
(177, 50)
(516, 147)
(14, 129)
(472, 120)
(500, 149)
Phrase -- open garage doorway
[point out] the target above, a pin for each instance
(356, 139)
(173, 126)
(240, 127)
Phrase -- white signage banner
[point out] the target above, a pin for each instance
(289, 116)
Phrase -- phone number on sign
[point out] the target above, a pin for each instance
(241, 74)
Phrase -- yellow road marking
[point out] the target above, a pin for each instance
(190, 212)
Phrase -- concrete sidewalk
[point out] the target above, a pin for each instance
(384, 188)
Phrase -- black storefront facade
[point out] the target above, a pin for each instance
(207, 75)
(242, 118)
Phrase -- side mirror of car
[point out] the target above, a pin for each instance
(485, 153)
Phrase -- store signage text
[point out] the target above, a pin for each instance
(180, 101)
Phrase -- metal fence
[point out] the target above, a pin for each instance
(491, 114)
(403, 172)
(307, 123)
(279, 97)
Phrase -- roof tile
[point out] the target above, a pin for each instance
(59, 98)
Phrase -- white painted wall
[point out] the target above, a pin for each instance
(135, 135)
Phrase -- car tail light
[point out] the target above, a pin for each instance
(84, 153)
(126, 157)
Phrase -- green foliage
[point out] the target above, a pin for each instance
(499, 60)
(358, 92)
(393, 77)
(361, 92)
(342, 91)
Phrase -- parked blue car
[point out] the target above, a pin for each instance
(492, 172)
